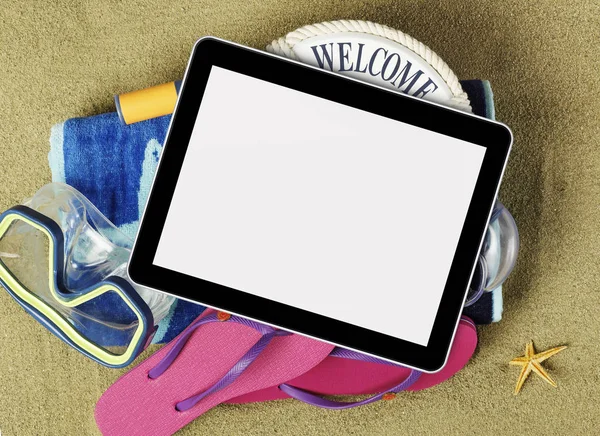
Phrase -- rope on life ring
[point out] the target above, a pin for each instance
(284, 47)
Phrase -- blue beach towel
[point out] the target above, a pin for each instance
(113, 164)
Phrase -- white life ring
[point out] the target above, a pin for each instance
(377, 54)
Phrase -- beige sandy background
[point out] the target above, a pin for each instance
(66, 58)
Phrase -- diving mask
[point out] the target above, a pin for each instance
(65, 264)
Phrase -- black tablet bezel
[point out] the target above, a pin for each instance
(495, 137)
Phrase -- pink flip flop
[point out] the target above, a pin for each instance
(346, 372)
(206, 365)
(248, 362)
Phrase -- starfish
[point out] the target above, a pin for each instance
(531, 362)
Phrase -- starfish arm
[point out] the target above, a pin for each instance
(540, 357)
(522, 377)
(529, 350)
(519, 361)
(537, 368)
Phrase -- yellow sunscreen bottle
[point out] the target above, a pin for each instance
(148, 103)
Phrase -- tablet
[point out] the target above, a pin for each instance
(320, 204)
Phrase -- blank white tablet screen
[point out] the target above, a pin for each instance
(319, 205)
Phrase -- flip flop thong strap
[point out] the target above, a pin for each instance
(267, 332)
(234, 372)
(355, 355)
(315, 400)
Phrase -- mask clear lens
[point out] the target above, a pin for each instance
(94, 247)
(27, 255)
